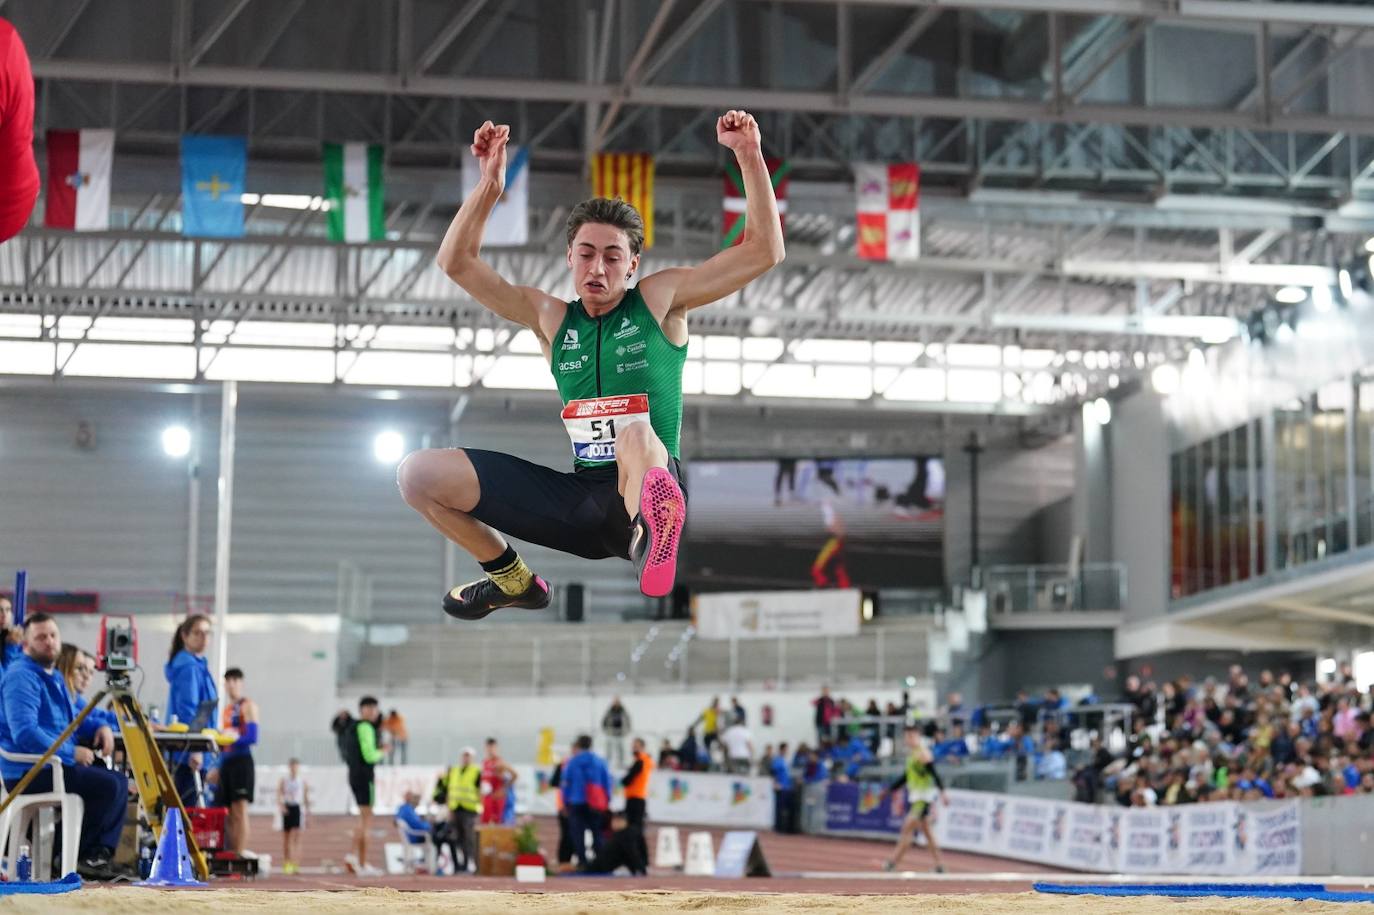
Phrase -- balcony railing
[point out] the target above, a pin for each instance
(1055, 588)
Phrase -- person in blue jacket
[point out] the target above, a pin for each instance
(586, 783)
(78, 669)
(192, 699)
(12, 635)
(35, 708)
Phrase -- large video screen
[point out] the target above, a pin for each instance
(824, 523)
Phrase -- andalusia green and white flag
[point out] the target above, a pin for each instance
(353, 187)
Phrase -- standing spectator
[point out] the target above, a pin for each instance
(565, 845)
(739, 749)
(688, 752)
(666, 754)
(18, 169)
(35, 709)
(398, 737)
(766, 761)
(636, 785)
(825, 713)
(12, 635)
(236, 771)
(615, 724)
(587, 790)
(737, 713)
(293, 799)
(710, 724)
(497, 778)
(191, 696)
(784, 792)
(464, 797)
(873, 728)
(361, 755)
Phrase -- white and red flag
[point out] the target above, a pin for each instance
(79, 165)
(889, 217)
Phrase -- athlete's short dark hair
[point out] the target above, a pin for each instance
(583, 743)
(33, 619)
(367, 701)
(612, 212)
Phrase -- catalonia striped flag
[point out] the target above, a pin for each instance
(629, 176)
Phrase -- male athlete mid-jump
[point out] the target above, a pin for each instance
(616, 353)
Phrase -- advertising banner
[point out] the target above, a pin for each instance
(769, 614)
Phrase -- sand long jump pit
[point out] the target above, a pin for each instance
(345, 901)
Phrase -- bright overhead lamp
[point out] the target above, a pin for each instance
(1321, 298)
(1165, 378)
(1291, 295)
(1101, 410)
(176, 441)
(1369, 245)
(388, 447)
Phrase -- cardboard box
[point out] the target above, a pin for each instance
(496, 851)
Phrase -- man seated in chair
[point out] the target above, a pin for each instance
(35, 708)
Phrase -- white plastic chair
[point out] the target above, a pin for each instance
(428, 852)
(36, 811)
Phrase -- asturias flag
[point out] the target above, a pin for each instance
(212, 183)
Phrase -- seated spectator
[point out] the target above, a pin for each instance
(954, 746)
(35, 708)
(855, 756)
(816, 769)
(622, 849)
(1051, 765)
(418, 830)
(687, 752)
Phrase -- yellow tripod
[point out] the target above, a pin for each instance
(157, 793)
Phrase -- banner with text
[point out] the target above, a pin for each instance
(770, 614)
(1262, 838)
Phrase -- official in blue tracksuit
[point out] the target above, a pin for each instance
(586, 783)
(192, 699)
(35, 708)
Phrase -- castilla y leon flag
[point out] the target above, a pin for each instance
(353, 187)
(79, 163)
(889, 220)
(629, 176)
(736, 205)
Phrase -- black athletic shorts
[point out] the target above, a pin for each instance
(361, 781)
(291, 819)
(236, 779)
(580, 512)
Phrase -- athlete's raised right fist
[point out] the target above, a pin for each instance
(489, 146)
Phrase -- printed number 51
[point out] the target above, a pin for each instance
(603, 429)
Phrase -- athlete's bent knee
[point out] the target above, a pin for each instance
(638, 439)
(434, 475)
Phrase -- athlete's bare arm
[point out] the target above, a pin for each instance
(671, 293)
(460, 254)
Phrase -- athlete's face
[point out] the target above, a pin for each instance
(233, 687)
(602, 264)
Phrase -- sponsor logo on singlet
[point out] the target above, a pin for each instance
(575, 365)
(626, 329)
(570, 340)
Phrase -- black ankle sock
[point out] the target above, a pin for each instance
(500, 562)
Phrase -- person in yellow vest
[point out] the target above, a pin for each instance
(636, 784)
(464, 803)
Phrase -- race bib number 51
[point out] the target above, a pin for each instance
(594, 423)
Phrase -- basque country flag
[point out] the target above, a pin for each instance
(79, 163)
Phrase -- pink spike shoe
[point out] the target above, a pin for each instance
(656, 532)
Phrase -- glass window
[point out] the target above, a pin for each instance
(1364, 446)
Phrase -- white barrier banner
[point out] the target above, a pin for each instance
(705, 799)
(1225, 838)
(769, 614)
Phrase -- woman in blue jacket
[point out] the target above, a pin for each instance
(78, 668)
(191, 695)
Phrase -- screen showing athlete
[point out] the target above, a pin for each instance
(616, 353)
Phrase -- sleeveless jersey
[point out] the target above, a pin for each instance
(622, 352)
(920, 783)
(231, 718)
(293, 791)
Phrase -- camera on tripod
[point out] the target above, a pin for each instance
(118, 648)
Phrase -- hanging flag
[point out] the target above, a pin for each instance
(79, 164)
(353, 187)
(212, 180)
(629, 176)
(889, 220)
(735, 204)
(509, 223)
